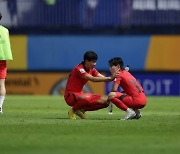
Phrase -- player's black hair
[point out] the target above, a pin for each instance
(116, 61)
(90, 56)
(0, 15)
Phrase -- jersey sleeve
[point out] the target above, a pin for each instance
(81, 72)
(95, 72)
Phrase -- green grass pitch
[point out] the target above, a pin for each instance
(39, 125)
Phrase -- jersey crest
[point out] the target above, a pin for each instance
(82, 70)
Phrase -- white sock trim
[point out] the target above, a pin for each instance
(2, 100)
(128, 110)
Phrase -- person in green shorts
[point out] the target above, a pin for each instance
(5, 54)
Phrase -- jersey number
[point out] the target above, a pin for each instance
(136, 85)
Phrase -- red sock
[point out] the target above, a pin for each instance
(81, 104)
(95, 107)
(119, 103)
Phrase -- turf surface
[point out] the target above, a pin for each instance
(39, 124)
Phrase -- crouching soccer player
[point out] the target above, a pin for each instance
(132, 97)
(74, 95)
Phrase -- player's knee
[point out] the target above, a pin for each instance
(111, 95)
(87, 99)
(103, 100)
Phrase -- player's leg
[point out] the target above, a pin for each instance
(95, 107)
(97, 102)
(3, 72)
(139, 104)
(82, 102)
(78, 101)
(117, 99)
(135, 106)
(110, 108)
(135, 103)
(70, 100)
(89, 102)
(2, 93)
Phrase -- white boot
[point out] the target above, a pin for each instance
(138, 114)
(1, 112)
(130, 114)
(1, 103)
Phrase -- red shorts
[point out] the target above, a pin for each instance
(135, 102)
(72, 98)
(3, 69)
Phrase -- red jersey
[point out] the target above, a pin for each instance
(76, 80)
(129, 84)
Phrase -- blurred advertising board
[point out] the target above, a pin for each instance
(89, 13)
(157, 84)
(43, 83)
(53, 83)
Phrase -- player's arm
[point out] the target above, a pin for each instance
(115, 87)
(99, 78)
(100, 75)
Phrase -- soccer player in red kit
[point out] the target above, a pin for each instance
(79, 76)
(132, 97)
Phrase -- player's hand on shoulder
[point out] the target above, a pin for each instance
(114, 75)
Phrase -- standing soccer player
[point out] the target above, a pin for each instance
(79, 76)
(5, 54)
(132, 97)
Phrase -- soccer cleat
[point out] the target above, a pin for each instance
(80, 114)
(71, 115)
(1, 112)
(129, 115)
(138, 114)
(110, 108)
(83, 111)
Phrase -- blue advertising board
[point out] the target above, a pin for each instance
(156, 84)
(63, 52)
